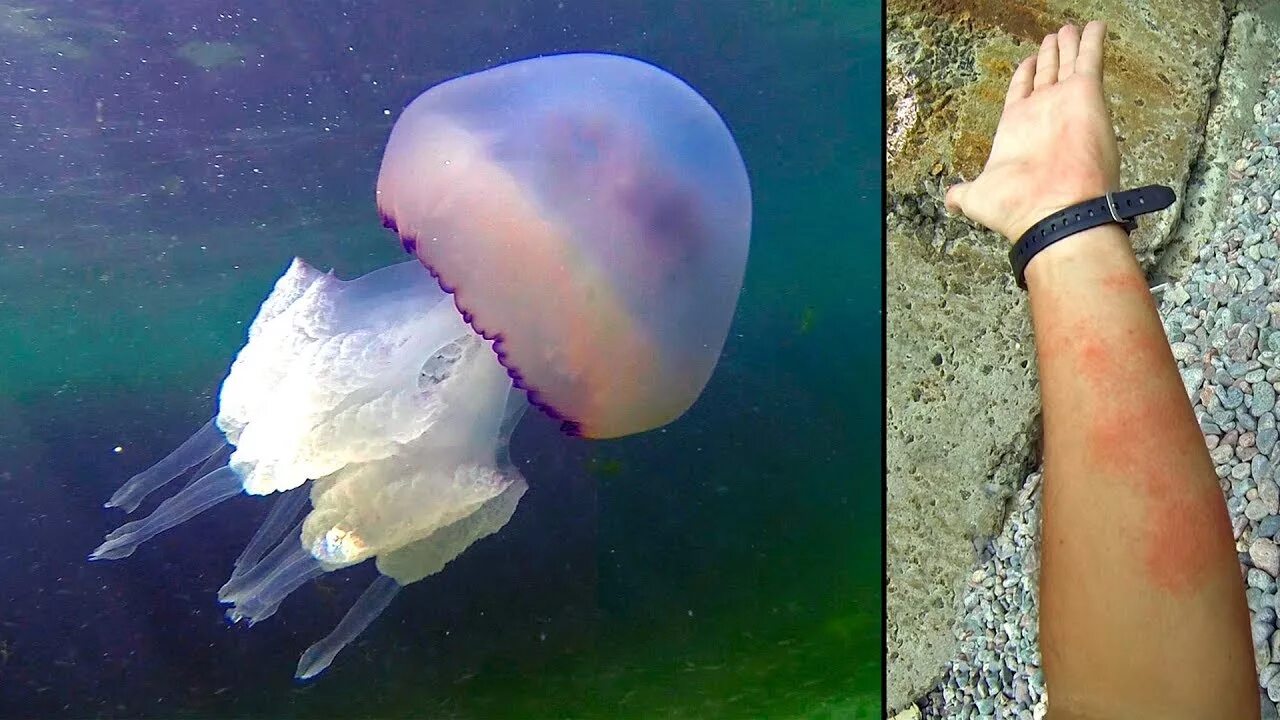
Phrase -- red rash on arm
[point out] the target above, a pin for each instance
(1137, 542)
(1184, 522)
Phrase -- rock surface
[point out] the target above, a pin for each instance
(962, 400)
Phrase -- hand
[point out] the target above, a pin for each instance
(1054, 146)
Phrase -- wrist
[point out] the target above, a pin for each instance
(1087, 256)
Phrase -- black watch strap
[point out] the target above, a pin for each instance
(1120, 207)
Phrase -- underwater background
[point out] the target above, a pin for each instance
(161, 163)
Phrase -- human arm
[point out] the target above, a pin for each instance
(1141, 598)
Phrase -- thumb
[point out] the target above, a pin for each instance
(954, 199)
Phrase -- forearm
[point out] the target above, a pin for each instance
(1142, 603)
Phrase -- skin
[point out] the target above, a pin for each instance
(1142, 601)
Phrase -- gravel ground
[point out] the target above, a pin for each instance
(1223, 323)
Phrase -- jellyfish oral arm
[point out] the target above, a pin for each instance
(372, 602)
(204, 443)
(397, 408)
(220, 485)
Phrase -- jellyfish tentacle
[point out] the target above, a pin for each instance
(215, 461)
(205, 442)
(372, 602)
(208, 491)
(283, 513)
(257, 595)
(299, 569)
(242, 586)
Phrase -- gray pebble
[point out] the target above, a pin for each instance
(1192, 378)
(1231, 398)
(1269, 526)
(1269, 496)
(1269, 710)
(1236, 504)
(1265, 556)
(1260, 469)
(1259, 580)
(1264, 399)
(1266, 439)
(1261, 632)
(1255, 510)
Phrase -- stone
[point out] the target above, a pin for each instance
(1268, 526)
(1269, 496)
(1192, 378)
(952, 430)
(1265, 556)
(1231, 397)
(1269, 710)
(1260, 469)
(1266, 439)
(1264, 399)
(1259, 579)
(1261, 632)
(1269, 671)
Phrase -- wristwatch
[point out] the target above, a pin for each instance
(1119, 207)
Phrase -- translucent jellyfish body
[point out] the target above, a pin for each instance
(584, 222)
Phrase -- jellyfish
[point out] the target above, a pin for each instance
(579, 225)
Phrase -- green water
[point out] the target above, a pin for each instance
(735, 566)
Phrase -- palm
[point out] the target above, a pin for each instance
(1054, 147)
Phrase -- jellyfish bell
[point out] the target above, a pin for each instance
(583, 221)
(591, 213)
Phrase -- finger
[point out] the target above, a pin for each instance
(1089, 57)
(954, 200)
(1046, 63)
(1020, 85)
(1068, 47)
